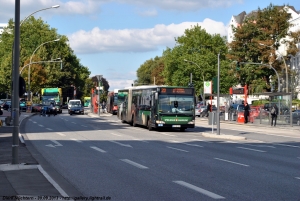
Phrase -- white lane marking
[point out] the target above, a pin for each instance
(201, 140)
(140, 140)
(98, 149)
(73, 122)
(60, 134)
(116, 134)
(76, 140)
(231, 162)
(287, 145)
(40, 125)
(297, 177)
(298, 157)
(83, 125)
(66, 120)
(199, 190)
(124, 145)
(167, 134)
(49, 129)
(34, 122)
(47, 176)
(259, 145)
(134, 164)
(193, 145)
(177, 149)
(250, 149)
(56, 144)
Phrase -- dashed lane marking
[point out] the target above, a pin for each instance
(98, 149)
(250, 149)
(231, 162)
(134, 164)
(199, 190)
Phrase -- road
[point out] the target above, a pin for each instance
(103, 157)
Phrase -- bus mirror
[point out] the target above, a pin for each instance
(156, 96)
(176, 104)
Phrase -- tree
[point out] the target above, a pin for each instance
(33, 33)
(201, 48)
(257, 40)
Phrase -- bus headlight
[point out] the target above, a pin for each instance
(191, 122)
(159, 122)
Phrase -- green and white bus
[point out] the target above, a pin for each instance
(157, 106)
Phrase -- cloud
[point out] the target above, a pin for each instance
(183, 5)
(81, 7)
(136, 40)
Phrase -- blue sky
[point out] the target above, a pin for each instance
(114, 38)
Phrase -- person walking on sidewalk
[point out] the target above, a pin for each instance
(274, 112)
(246, 112)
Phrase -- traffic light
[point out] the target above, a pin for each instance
(215, 85)
(22, 86)
(238, 66)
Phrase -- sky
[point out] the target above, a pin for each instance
(114, 38)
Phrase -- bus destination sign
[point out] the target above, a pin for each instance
(184, 91)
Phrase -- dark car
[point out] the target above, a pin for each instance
(6, 105)
(295, 118)
(58, 108)
(76, 109)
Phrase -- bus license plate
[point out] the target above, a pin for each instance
(160, 124)
(176, 126)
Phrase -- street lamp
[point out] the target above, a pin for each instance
(15, 78)
(28, 94)
(286, 71)
(37, 62)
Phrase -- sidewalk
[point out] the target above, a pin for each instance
(26, 180)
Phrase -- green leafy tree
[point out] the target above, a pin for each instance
(33, 33)
(257, 40)
(197, 52)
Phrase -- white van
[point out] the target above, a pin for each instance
(74, 102)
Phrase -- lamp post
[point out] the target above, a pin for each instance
(15, 77)
(38, 62)
(28, 94)
(286, 71)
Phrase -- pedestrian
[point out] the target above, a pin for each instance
(208, 109)
(226, 109)
(246, 112)
(274, 112)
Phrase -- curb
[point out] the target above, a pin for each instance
(221, 136)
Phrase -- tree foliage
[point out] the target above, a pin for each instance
(197, 52)
(33, 33)
(257, 40)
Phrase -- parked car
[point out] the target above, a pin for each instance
(295, 118)
(23, 106)
(6, 105)
(76, 109)
(199, 110)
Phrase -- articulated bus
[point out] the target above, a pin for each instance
(157, 106)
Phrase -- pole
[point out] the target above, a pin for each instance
(218, 97)
(15, 103)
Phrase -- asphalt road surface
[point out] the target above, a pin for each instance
(103, 157)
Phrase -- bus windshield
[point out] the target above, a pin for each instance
(185, 104)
